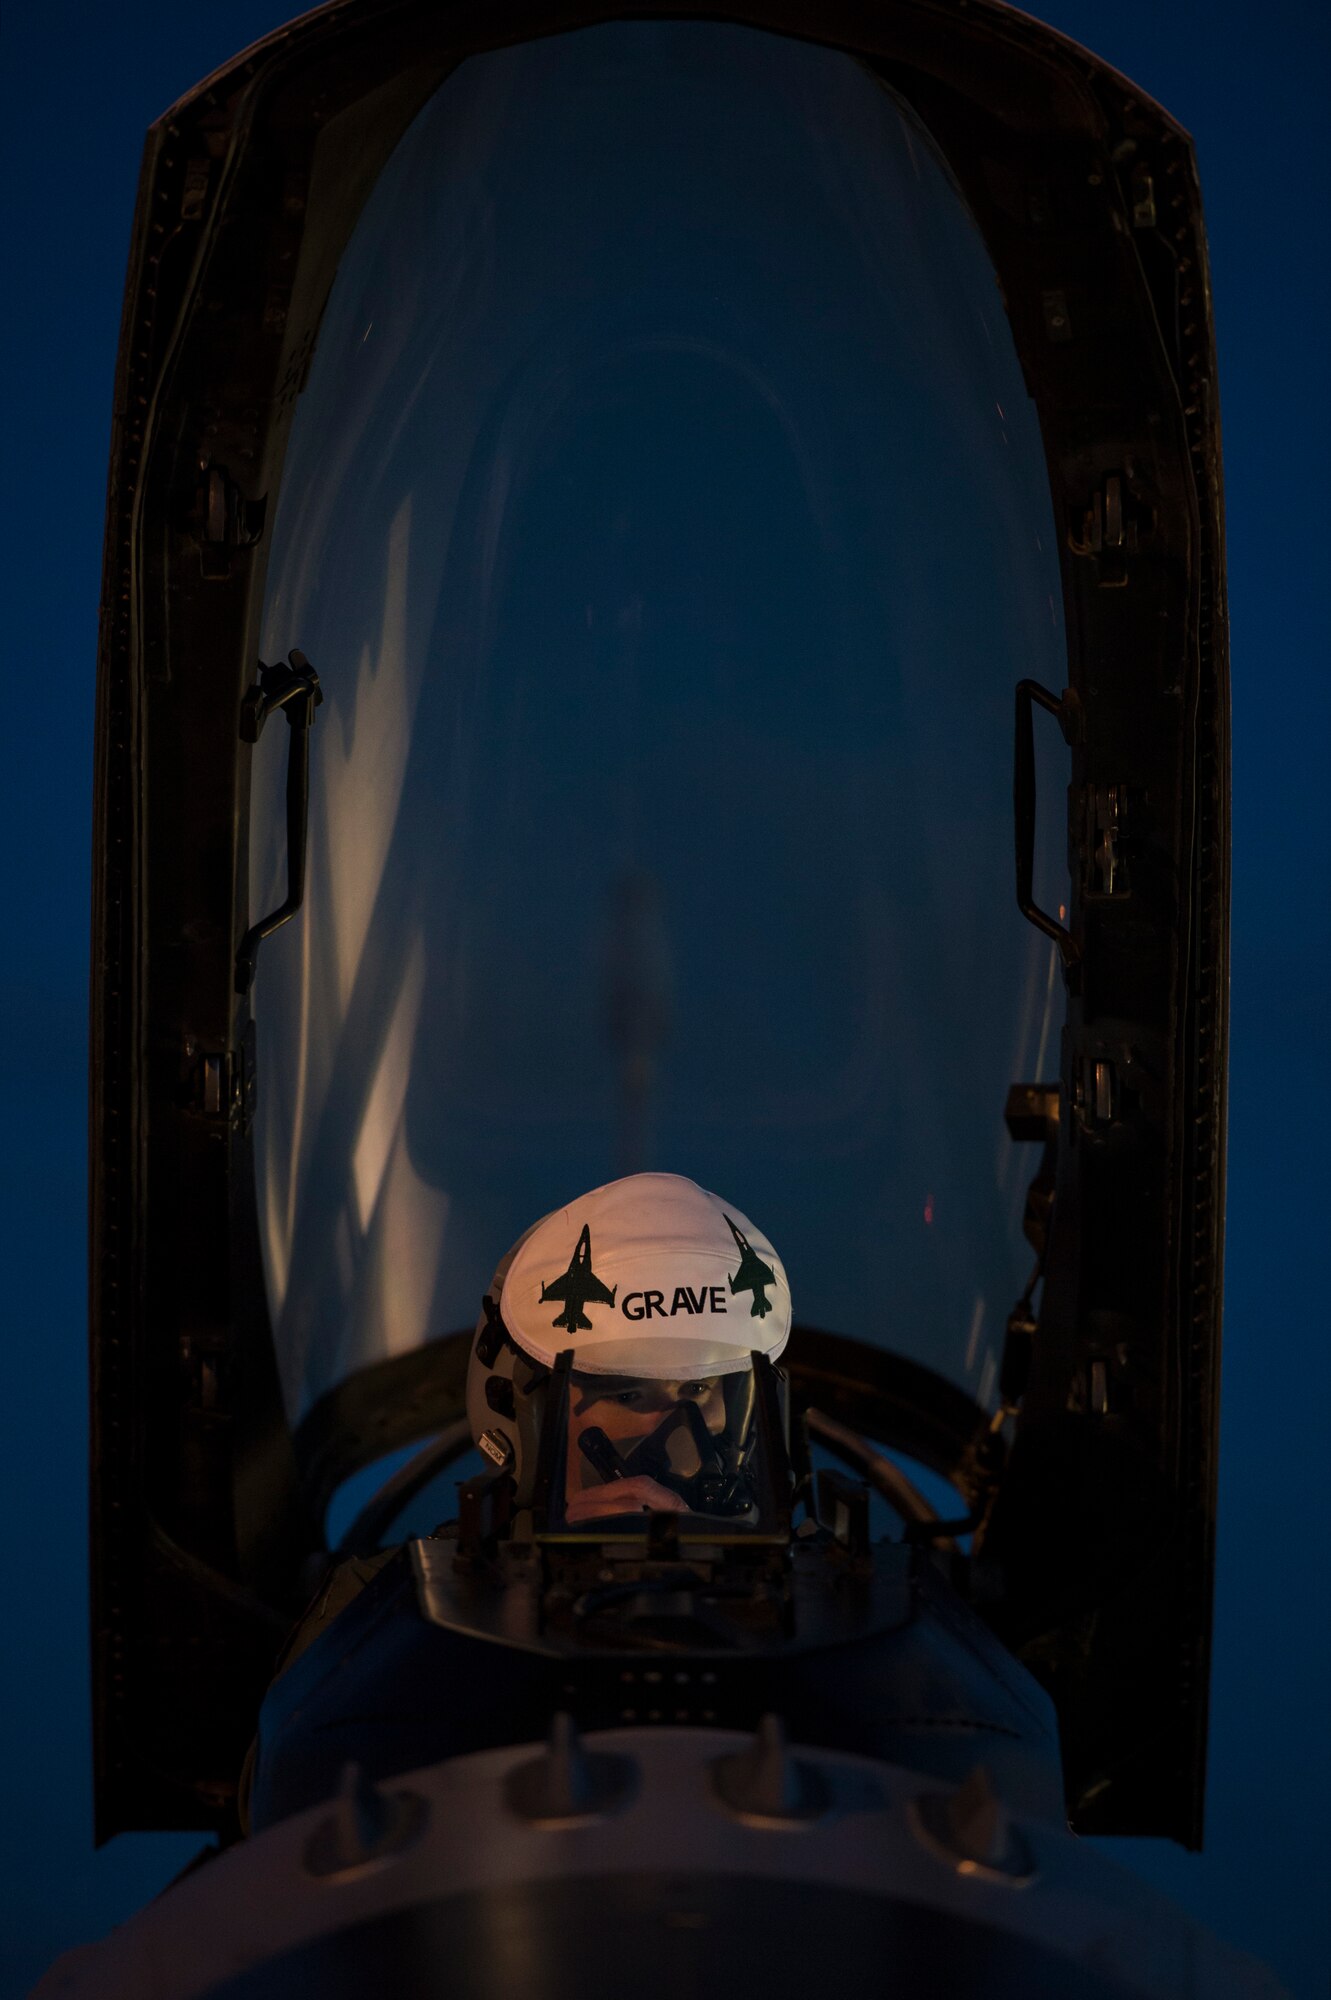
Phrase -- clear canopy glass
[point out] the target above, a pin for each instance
(668, 522)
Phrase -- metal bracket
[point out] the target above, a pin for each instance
(1032, 1116)
(1143, 200)
(222, 1083)
(843, 1507)
(194, 192)
(1115, 1092)
(225, 520)
(1031, 1111)
(1018, 1352)
(1108, 532)
(485, 1503)
(1104, 872)
(295, 690)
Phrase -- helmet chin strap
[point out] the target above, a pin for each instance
(721, 1482)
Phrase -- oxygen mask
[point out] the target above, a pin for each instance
(641, 1445)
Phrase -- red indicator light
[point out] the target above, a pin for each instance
(928, 1208)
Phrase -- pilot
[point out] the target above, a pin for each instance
(660, 1293)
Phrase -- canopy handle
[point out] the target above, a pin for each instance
(1067, 711)
(295, 690)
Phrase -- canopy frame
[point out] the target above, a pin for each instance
(206, 1511)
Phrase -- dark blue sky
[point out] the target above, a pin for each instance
(81, 85)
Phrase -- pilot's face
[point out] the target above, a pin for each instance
(627, 1408)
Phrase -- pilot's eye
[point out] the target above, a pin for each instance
(627, 1396)
(696, 1388)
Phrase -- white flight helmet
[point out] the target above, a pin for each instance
(650, 1279)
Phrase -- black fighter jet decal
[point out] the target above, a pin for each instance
(579, 1286)
(752, 1276)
